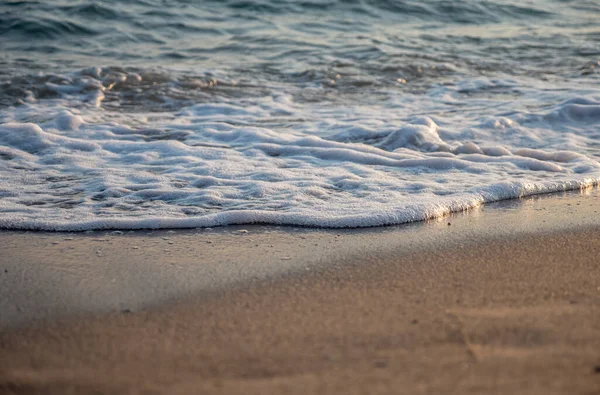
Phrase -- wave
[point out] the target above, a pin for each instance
(214, 164)
(45, 28)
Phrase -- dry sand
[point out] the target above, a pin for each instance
(505, 300)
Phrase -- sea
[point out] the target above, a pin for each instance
(148, 114)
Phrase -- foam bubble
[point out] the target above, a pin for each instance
(69, 162)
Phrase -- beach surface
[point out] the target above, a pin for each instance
(504, 298)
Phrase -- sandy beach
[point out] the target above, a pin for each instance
(503, 299)
(300, 197)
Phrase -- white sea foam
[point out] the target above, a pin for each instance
(66, 163)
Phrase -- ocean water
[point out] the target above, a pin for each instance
(190, 113)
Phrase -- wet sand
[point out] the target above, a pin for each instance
(502, 299)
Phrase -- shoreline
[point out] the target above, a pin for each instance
(107, 271)
(505, 299)
(245, 218)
